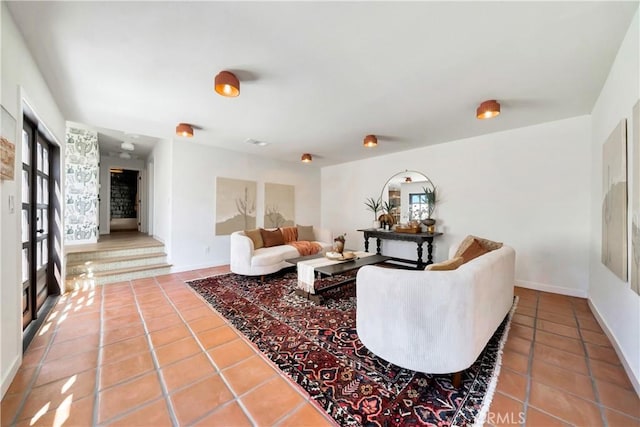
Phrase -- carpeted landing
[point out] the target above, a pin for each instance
(317, 347)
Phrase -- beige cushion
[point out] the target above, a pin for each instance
(305, 232)
(450, 264)
(464, 245)
(489, 245)
(256, 237)
(272, 237)
(471, 251)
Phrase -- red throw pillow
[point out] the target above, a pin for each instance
(272, 237)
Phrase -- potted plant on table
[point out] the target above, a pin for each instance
(374, 206)
(430, 197)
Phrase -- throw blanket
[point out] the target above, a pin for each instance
(290, 234)
(306, 248)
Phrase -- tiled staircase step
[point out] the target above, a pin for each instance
(115, 263)
(75, 257)
(112, 276)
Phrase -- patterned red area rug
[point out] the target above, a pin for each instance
(317, 347)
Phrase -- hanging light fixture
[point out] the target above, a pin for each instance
(488, 109)
(306, 158)
(184, 129)
(227, 84)
(370, 141)
(127, 146)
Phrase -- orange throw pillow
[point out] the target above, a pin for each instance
(272, 237)
(290, 234)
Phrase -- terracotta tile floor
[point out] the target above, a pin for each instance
(559, 369)
(150, 353)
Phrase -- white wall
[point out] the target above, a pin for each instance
(526, 187)
(106, 163)
(161, 158)
(195, 168)
(21, 80)
(612, 298)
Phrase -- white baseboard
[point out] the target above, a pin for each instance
(572, 292)
(616, 346)
(15, 365)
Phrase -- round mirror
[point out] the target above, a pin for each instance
(404, 197)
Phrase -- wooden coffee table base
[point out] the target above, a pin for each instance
(318, 296)
(331, 275)
(314, 298)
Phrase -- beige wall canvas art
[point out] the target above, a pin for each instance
(235, 205)
(614, 201)
(279, 205)
(635, 200)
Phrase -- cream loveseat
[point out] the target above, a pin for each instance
(435, 321)
(248, 261)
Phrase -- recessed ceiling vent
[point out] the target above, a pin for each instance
(258, 143)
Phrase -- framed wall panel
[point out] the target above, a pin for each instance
(635, 199)
(614, 201)
(235, 205)
(279, 205)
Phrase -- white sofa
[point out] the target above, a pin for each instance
(435, 321)
(248, 261)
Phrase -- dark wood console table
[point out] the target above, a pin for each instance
(418, 238)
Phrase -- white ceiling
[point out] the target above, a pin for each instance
(318, 76)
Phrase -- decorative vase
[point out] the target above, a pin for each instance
(431, 224)
(376, 224)
(338, 246)
(387, 218)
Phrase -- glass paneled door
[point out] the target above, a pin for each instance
(36, 185)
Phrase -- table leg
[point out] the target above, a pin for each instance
(420, 264)
(429, 251)
(366, 244)
(377, 246)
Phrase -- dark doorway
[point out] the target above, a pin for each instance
(124, 200)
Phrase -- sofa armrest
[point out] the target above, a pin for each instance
(402, 314)
(241, 250)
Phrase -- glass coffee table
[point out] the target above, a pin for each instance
(318, 274)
